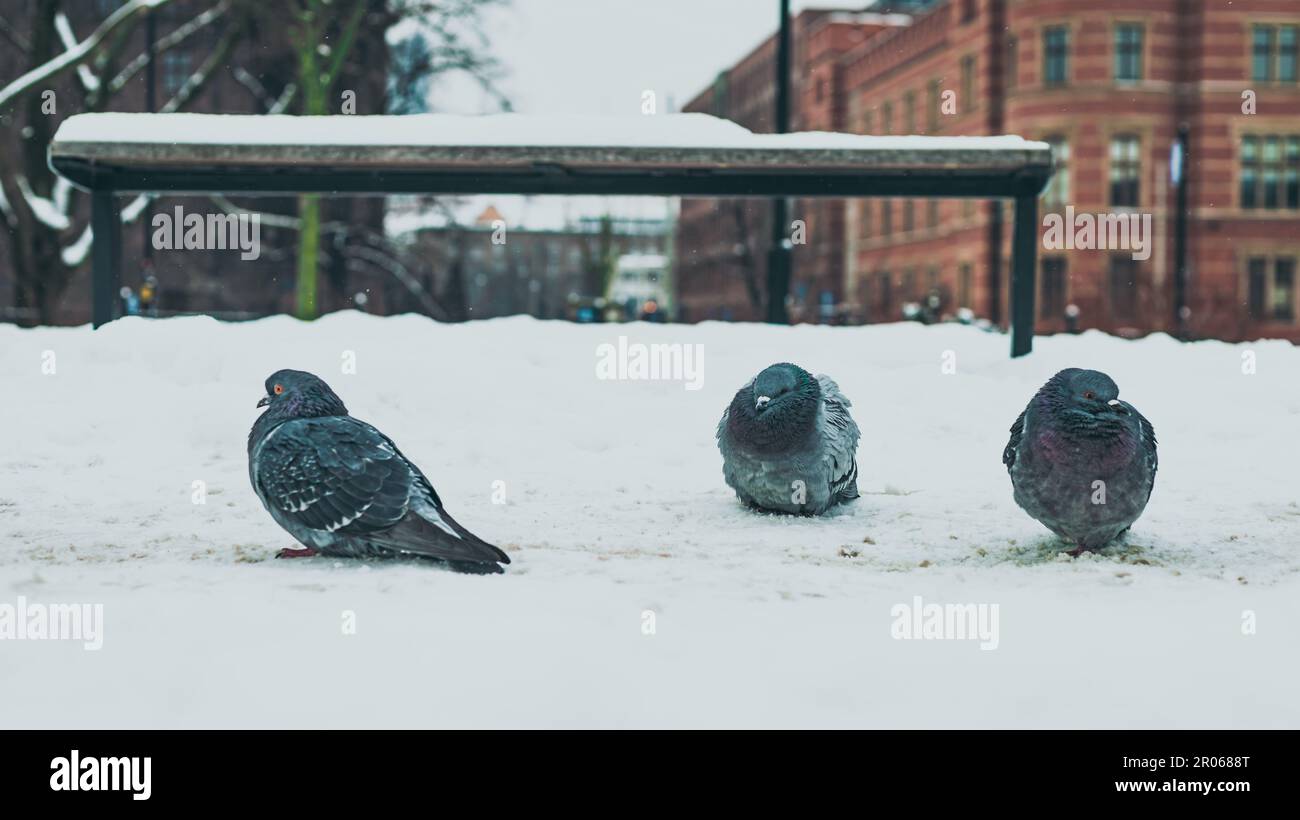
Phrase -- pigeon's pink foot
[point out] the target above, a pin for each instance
(305, 552)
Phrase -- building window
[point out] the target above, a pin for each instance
(867, 123)
(1284, 290)
(886, 294)
(963, 285)
(909, 113)
(1270, 172)
(909, 285)
(1286, 54)
(1123, 286)
(1013, 63)
(908, 216)
(1273, 53)
(1125, 170)
(175, 70)
(886, 217)
(1261, 62)
(1270, 287)
(1128, 53)
(887, 119)
(1057, 192)
(1262, 53)
(864, 218)
(1256, 287)
(1291, 173)
(1056, 55)
(1052, 303)
(1271, 165)
(967, 10)
(968, 83)
(932, 213)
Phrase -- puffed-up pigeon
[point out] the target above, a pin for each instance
(788, 443)
(1082, 462)
(342, 488)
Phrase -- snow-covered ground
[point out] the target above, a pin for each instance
(615, 513)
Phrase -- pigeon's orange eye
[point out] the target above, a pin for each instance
(279, 388)
(1087, 394)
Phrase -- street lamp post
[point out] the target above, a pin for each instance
(779, 255)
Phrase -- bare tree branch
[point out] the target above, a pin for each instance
(286, 97)
(77, 56)
(172, 40)
(14, 37)
(379, 253)
(399, 272)
(196, 81)
(254, 85)
(344, 46)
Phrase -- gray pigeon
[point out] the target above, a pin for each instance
(788, 443)
(1082, 462)
(342, 488)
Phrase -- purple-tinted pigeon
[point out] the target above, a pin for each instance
(1082, 462)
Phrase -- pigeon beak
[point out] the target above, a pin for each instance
(1117, 407)
(762, 402)
(264, 401)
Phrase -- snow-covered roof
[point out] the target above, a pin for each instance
(636, 261)
(870, 18)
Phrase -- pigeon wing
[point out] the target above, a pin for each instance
(1148, 447)
(1013, 445)
(342, 476)
(333, 474)
(429, 530)
(840, 433)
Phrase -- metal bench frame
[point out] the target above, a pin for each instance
(871, 167)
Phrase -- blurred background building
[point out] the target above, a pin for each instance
(552, 265)
(723, 243)
(1113, 85)
(1108, 83)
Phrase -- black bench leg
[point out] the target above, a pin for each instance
(1024, 259)
(106, 257)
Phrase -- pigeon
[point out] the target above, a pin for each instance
(342, 488)
(788, 443)
(1082, 462)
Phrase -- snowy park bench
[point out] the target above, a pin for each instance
(667, 155)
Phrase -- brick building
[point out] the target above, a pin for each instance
(1108, 83)
(723, 243)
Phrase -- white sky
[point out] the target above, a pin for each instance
(598, 57)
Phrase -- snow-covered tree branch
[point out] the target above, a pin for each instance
(78, 54)
(167, 42)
